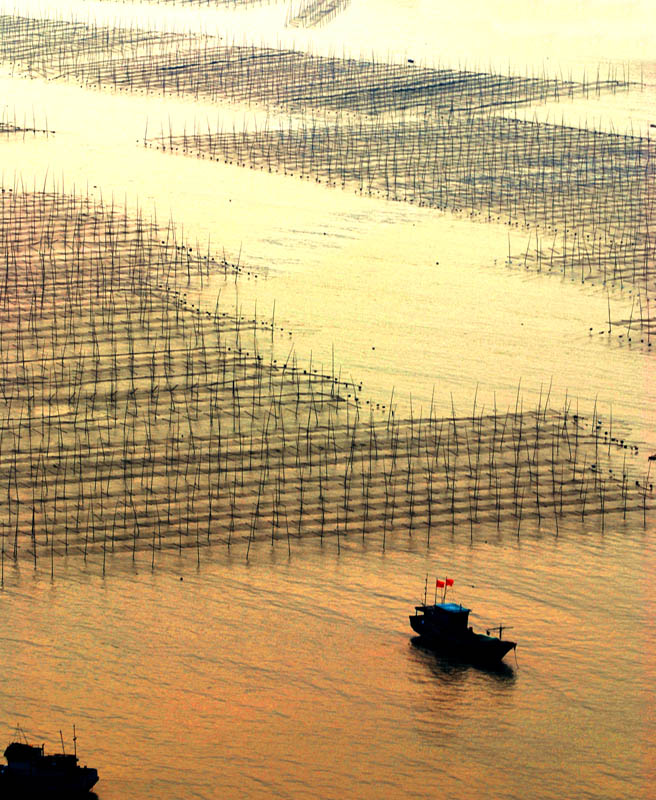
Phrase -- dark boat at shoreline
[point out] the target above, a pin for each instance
(445, 627)
(31, 772)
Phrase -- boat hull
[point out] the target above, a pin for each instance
(20, 785)
(475, 648)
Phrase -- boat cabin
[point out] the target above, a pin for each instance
(449, 617)
(26, 758)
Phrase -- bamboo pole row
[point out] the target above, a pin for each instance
(585, 196)
(10, 125)
(185, 64)
(134, 420)
(314, 13)
(201, 3)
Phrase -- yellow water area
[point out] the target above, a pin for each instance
(403, 299)
(293, 676)
(298, 677)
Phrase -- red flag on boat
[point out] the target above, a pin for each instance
(449, 582)
(439, 584)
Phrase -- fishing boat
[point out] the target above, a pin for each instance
(445, 627)
(31, 772)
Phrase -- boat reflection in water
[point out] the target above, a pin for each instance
(446, 666)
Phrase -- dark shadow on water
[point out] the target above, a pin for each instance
(446, 666)
(22, 795)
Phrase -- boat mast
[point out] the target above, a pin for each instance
(19, 732)
(425, 588)
(74, 742)
(61, 736)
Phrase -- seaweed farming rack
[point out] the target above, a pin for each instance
(134, 420)
(314, 13)
(134, 60)
(589, 194)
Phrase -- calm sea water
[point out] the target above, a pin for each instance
(295, 676)
(298, 676)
